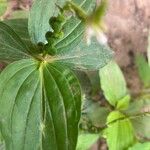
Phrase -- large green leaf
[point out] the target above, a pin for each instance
(140, 110)
(143, 70)
(120, 133)
(92, 57)
(39, 106)
(113, 83)
(86, 140)
(11, 46)
(39, 22)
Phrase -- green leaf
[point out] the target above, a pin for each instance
(39, 16)
(140, 110)
(92, 57)
(40, 106)
(89, 81)
(143, 70)
(138, 105)
(141, 146)
(11, 46)
(19, 14)
(113, 83)
(74, 29)
(20, 26)
(85, 83)
(141, 125)
(93, 115)
(120, 133)
(85, 141)
(123, 103)
(39, 22)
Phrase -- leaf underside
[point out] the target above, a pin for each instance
(40, 107)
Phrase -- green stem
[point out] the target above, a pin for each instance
(101, 129)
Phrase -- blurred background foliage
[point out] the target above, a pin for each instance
(20, 12)
(3, 6)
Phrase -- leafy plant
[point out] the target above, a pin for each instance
(40, 101)
(40, 105)
(124, 121)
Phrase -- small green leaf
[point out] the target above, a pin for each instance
(40, 106)
(120, 133)
(140, 146)
(123, 103)
(143, 70)
(113, 83)
(92, 57)
(11, 46)
(94, 114)
(140, 109)
(85, 82)
(138, 105)
(89, 81)
(86, 140)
